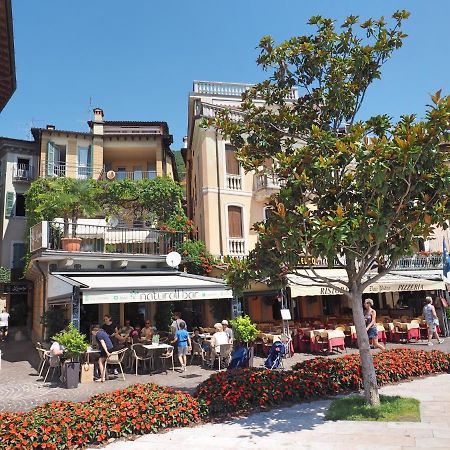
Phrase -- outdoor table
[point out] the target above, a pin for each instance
(336, 338)
(153, 348)
(412, 331)
(91, 351)
(354, 337)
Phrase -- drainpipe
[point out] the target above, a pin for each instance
(44, 291)
(219, 204)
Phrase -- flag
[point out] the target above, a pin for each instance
(445, 263)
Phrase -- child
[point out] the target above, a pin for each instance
(183, 343)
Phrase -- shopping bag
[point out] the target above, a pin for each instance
(87, 373)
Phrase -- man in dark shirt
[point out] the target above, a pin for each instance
(109, 326)
(105, 346)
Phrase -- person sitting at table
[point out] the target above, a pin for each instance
(228, 330)
(370, 316)
(196, 337)
(183, 342)
(135, 334)
(105, 346)
(219, 338)
(147, 331)
(124, 333)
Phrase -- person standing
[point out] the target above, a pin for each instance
(176, 322)
(429, 313)
(228, 330)
(4, 321)
(105, 346)
(370, 317)
(183, 342)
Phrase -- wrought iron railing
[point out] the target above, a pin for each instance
(419, 262)
(264, 181)
(23, 172)
(106, 239)
(136, 175)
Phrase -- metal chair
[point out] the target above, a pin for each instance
(54, 363)
(224, 354)
(43, 359)
(168, 354)
(198, 351)
(139, 353)
(115, 358)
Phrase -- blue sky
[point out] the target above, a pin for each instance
(137, 59)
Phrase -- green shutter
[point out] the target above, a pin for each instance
(50, 159)
(9, 204)
(89, 161)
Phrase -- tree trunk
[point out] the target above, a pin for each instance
(368, 370)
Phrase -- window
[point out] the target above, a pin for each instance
(56, 159)
(232, 164)
(137, 173)
(235, 222)
(20, 205)
(18, 261)
(121, 173)
(84, 162)
(23, 169)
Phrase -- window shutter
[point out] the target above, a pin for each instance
(235, 221)
(89, 161)
(231, 161)
(50, 159)
(9, 204)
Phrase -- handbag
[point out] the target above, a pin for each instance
(87, 373)
(436, 321)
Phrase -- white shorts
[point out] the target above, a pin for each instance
(431, 326)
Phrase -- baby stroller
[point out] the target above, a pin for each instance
(275, 358)
(239, 358)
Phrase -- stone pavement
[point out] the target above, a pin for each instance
(303, 427)
(20, 390)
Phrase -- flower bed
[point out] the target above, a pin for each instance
(246, 389)
(138, 409)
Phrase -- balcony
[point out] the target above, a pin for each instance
(23, 172)
(134, 176)
(104, 238)
(236, 246)
(224, 89)
(234, 182)
(266, 185)
(419, 262)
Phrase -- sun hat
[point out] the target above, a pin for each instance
(224, 322)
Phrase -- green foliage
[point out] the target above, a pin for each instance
(163, 316)
(72, 340)
(196, 259)
(54, 320)
(69, 198)
(391, 409)
(5, 274)
(180, 222)
(244, 329)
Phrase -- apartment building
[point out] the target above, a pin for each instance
(225, 202)
(121, 268)
(7, 60)
(18, 167)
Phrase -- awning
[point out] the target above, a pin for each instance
(158, 287)
(391, 282)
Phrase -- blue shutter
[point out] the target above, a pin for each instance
(9, 204)
(50, 159)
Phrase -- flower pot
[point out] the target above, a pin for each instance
(71, 244)
(71, 372)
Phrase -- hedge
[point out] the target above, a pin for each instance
(243, 390)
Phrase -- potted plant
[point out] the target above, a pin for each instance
(74, 344)
(245, 334)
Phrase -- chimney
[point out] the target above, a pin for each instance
(51, 127)
(97, 123)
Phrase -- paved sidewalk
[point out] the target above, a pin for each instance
(303, 427)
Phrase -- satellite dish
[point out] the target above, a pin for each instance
(173, 259)
(110, 174)
(113, 222)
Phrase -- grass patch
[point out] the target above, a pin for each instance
(392, 409)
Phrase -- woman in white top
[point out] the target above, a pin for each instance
(219, 338)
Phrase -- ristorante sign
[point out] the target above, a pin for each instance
(166, 295)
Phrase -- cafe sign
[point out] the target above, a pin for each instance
(39, 236)
(141, 296)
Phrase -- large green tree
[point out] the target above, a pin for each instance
(355, 192)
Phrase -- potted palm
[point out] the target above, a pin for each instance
(245, 334)
(75, 344)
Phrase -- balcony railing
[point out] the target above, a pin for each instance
(135, 176)
(105, 239)
(228, 89)
(236, 246)
(234, 182)
(419, 262)
(23, 172)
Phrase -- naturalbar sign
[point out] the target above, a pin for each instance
(140, 296)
